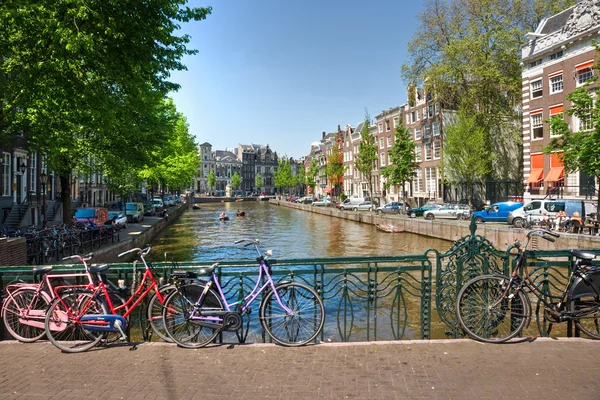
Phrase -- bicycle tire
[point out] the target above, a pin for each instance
(300, 328)
(63, 331)
(24, 299)
(588, 311)
(178, 307)
(491, 325)
(154, 314)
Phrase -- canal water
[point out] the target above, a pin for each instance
(199, 235)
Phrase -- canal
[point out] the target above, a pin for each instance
(199, 235)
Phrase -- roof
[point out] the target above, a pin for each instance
(556, 22)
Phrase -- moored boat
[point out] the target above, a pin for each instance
(388, 228)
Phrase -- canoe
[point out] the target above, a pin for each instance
(388, 228)
(241, 213)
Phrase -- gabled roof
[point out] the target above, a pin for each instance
(556, 22)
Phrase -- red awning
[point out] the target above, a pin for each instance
(535, 175)
(555, 174)
(327, 190)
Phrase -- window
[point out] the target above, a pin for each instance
(585, 122)
(582, 75)
(381, 143)
(417, 133)
(380, 126)
(556, 83)
(389, 141)
(32, 172)
(555, 110)
(426, 131)
(556, 55)
(418, 115)
(437, 153)
(436, 129)
(535, 63)
(412, 117)
(418, 180)
(396, 121)
(407, 119)
(427, 151)
(430, 181)
(387, 125)
(6, 175)
(424, 112)
(536, 89)
(430, 111)
(537, 128)
(436, 110)
(418, 151)
(382, 163)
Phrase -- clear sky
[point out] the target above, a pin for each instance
(281, 72)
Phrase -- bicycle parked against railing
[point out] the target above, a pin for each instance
(78, 320)
(290, 312)
(24, 308)
(495, 308)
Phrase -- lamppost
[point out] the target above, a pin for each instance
(44, 182)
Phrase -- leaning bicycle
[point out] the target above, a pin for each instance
(291, 313)
(495, 308)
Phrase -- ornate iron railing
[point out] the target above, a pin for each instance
(375, 297)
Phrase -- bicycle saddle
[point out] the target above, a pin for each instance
(207, 270)
(584, 255)
(42, 270)
(98, 268)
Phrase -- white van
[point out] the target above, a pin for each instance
(158, 204)
(351, 202)
(532, 211)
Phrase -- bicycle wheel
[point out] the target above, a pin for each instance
(24, 313)
(63, 329)
(587, 310)
(154, 314)
(181, 305)
(485, 314)
(306, 320)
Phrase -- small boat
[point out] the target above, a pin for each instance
(241, 213)
(238, 200)
(195, 207)
(388, 228)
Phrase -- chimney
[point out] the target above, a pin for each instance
(323, 135)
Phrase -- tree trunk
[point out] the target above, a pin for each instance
(65, 198)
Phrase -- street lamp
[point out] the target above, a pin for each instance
(44, 182)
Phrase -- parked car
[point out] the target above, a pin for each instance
(305, 200)
(364, 206)
(392, 207)
(532, 211)
(449, 211)
(149, 209)
(118, 217)
(417, 212)
(134, 211)
(497, 212)
(351, 202)
(158, 204)
(96, 215)
(322, 202)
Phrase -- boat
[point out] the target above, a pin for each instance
(241, 213)
(223, 216)
(389, 228)
(195, 207)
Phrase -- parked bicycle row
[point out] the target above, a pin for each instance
(81, 310)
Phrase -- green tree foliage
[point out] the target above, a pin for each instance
(312, 173)
(335, 168)
(467, 159)
(580, 149)
(402, 166)
(212, 180)
(283, 176)
(300, 178)
(258, 182)
(468, 52)
(367, 153)
(84, 79)
(236, 181)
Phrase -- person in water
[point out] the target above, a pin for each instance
(223, 215)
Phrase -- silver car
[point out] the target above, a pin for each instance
(364, 206)
(449, 211)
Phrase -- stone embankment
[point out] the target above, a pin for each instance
(501, 235)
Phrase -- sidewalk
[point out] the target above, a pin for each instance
(445, 369)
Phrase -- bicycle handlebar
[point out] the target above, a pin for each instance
(142, 253)
(87, 257)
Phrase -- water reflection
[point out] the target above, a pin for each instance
(199, 235)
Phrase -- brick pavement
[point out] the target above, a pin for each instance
(445, 369)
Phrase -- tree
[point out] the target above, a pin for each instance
(258, 182)
(402, 166)
(311, 174)
(212, 180)
(335, 168)
(579, 149)
(83, 80)
(367, 153)
(469, 52)
(300, 179)
(283, 175)
(467, 159)
(236, 181)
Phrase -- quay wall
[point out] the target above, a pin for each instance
(501, 235)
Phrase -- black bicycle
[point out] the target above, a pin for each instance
(495, 308)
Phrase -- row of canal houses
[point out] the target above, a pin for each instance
(558, 57)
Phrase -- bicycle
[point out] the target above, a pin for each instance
(291, 313)
(495, 308)
(78, 320)
(24, 309)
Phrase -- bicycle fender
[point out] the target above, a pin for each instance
(585, 286)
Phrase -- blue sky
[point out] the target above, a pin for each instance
(280, 72)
